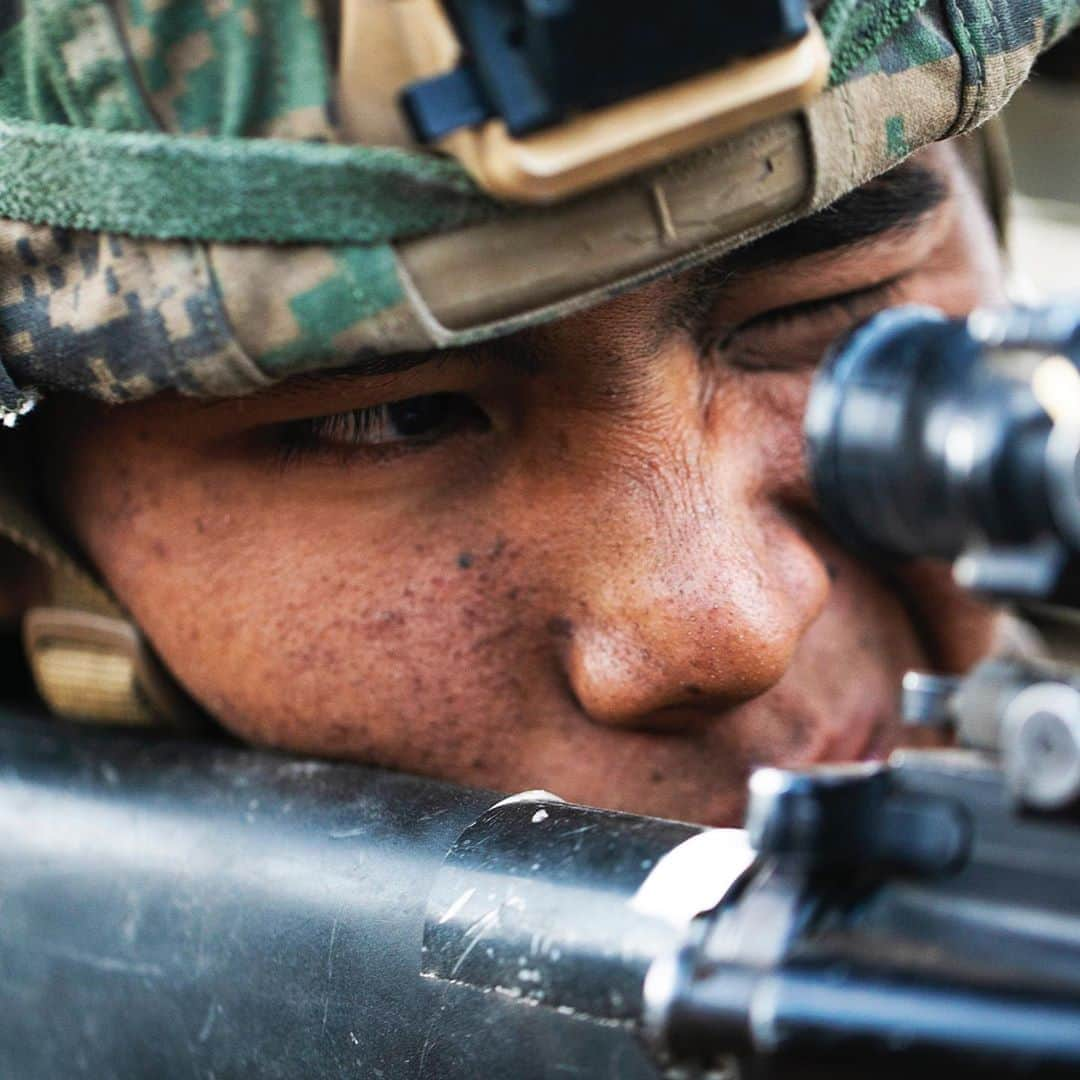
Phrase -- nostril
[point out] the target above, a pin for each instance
(680, 719)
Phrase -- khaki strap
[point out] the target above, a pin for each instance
(88, 659)
(93, 667)
(388, 44)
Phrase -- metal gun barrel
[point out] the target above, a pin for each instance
(177, 908)
(817, 1015)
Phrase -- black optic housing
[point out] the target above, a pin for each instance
(536, 62)
(923, 440)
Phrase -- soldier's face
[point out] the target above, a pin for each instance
(584, 559)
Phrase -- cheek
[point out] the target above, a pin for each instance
(310, 622)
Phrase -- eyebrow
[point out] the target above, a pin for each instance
(899, 199)
(516, 353)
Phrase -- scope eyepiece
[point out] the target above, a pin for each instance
(935, 436)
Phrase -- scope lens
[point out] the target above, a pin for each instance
(922, 440)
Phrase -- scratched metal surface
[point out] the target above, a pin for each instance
(535, 900)
(177, 909)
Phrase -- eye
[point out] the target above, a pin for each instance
(411, 422)
(793, 338)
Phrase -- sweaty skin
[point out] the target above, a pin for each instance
(602, 575)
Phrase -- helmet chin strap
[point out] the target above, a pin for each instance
(99, 668)
(89, 660)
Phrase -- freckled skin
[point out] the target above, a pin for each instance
(620, 592)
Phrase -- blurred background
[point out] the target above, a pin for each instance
(1043, 124)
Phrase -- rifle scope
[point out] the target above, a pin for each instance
(944, 437)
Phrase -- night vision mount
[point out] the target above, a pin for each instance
(537, 63)
(542, 99)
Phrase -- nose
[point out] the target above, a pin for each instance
(696, 606)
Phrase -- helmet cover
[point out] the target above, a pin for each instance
(177, 208)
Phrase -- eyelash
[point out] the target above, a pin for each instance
(855, 306)
(369, 429)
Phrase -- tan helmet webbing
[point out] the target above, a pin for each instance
(88, 659)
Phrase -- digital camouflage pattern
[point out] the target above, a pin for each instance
(176, 209)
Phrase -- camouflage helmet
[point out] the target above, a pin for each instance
(187, 203)
(180, 207)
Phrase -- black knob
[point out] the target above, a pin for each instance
(836, 816)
